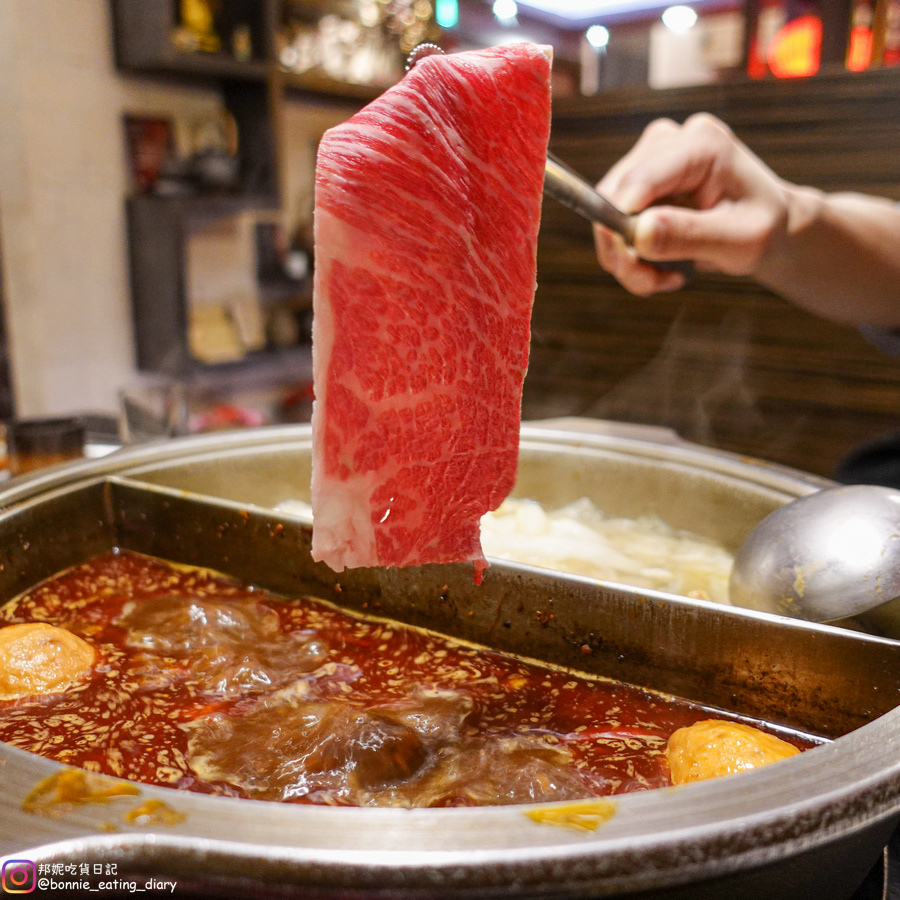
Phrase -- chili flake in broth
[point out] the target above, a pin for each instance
(206, 684)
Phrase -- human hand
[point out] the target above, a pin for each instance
(701, 195)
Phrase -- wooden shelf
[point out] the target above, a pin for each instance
(311, 83)
(204, 65)
(158, 231)
(213, 205)
(143, 42)
(267, 367)
(160, 226)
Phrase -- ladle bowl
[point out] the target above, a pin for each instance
(823, 557)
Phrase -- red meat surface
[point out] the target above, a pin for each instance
(426, 220)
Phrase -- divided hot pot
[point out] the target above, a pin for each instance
(808, 827)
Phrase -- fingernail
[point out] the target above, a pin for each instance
(644, 224)
(630, 200)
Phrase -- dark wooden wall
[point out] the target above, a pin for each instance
(724, 362)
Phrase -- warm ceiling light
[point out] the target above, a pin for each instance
(679, 19)
(505, 10)
(585, 10)
(597, 36)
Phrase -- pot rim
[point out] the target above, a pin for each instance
(829, 792)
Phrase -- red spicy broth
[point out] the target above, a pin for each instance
(206, 684)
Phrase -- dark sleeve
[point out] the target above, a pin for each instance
(888, 341)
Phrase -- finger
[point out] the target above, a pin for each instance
(729, 237)
(642, 279)
(610, 248)
(632, 273)
(671, 160)
(625, 175)
(682, 170)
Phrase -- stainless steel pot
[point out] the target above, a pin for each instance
(810, 827)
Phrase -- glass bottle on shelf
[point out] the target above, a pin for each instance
(859, 46)
(886, 45)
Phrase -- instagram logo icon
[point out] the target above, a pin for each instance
(19, 876)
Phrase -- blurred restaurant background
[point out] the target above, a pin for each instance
(156, 197)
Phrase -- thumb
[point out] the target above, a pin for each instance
(725, 237)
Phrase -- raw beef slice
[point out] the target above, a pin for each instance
(426, 219)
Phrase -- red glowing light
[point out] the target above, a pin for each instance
(859, 53)
(795, 51)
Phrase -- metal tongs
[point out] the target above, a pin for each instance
(568, 188)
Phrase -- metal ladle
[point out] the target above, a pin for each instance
(829, 555)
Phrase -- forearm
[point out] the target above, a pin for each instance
(839, 257)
